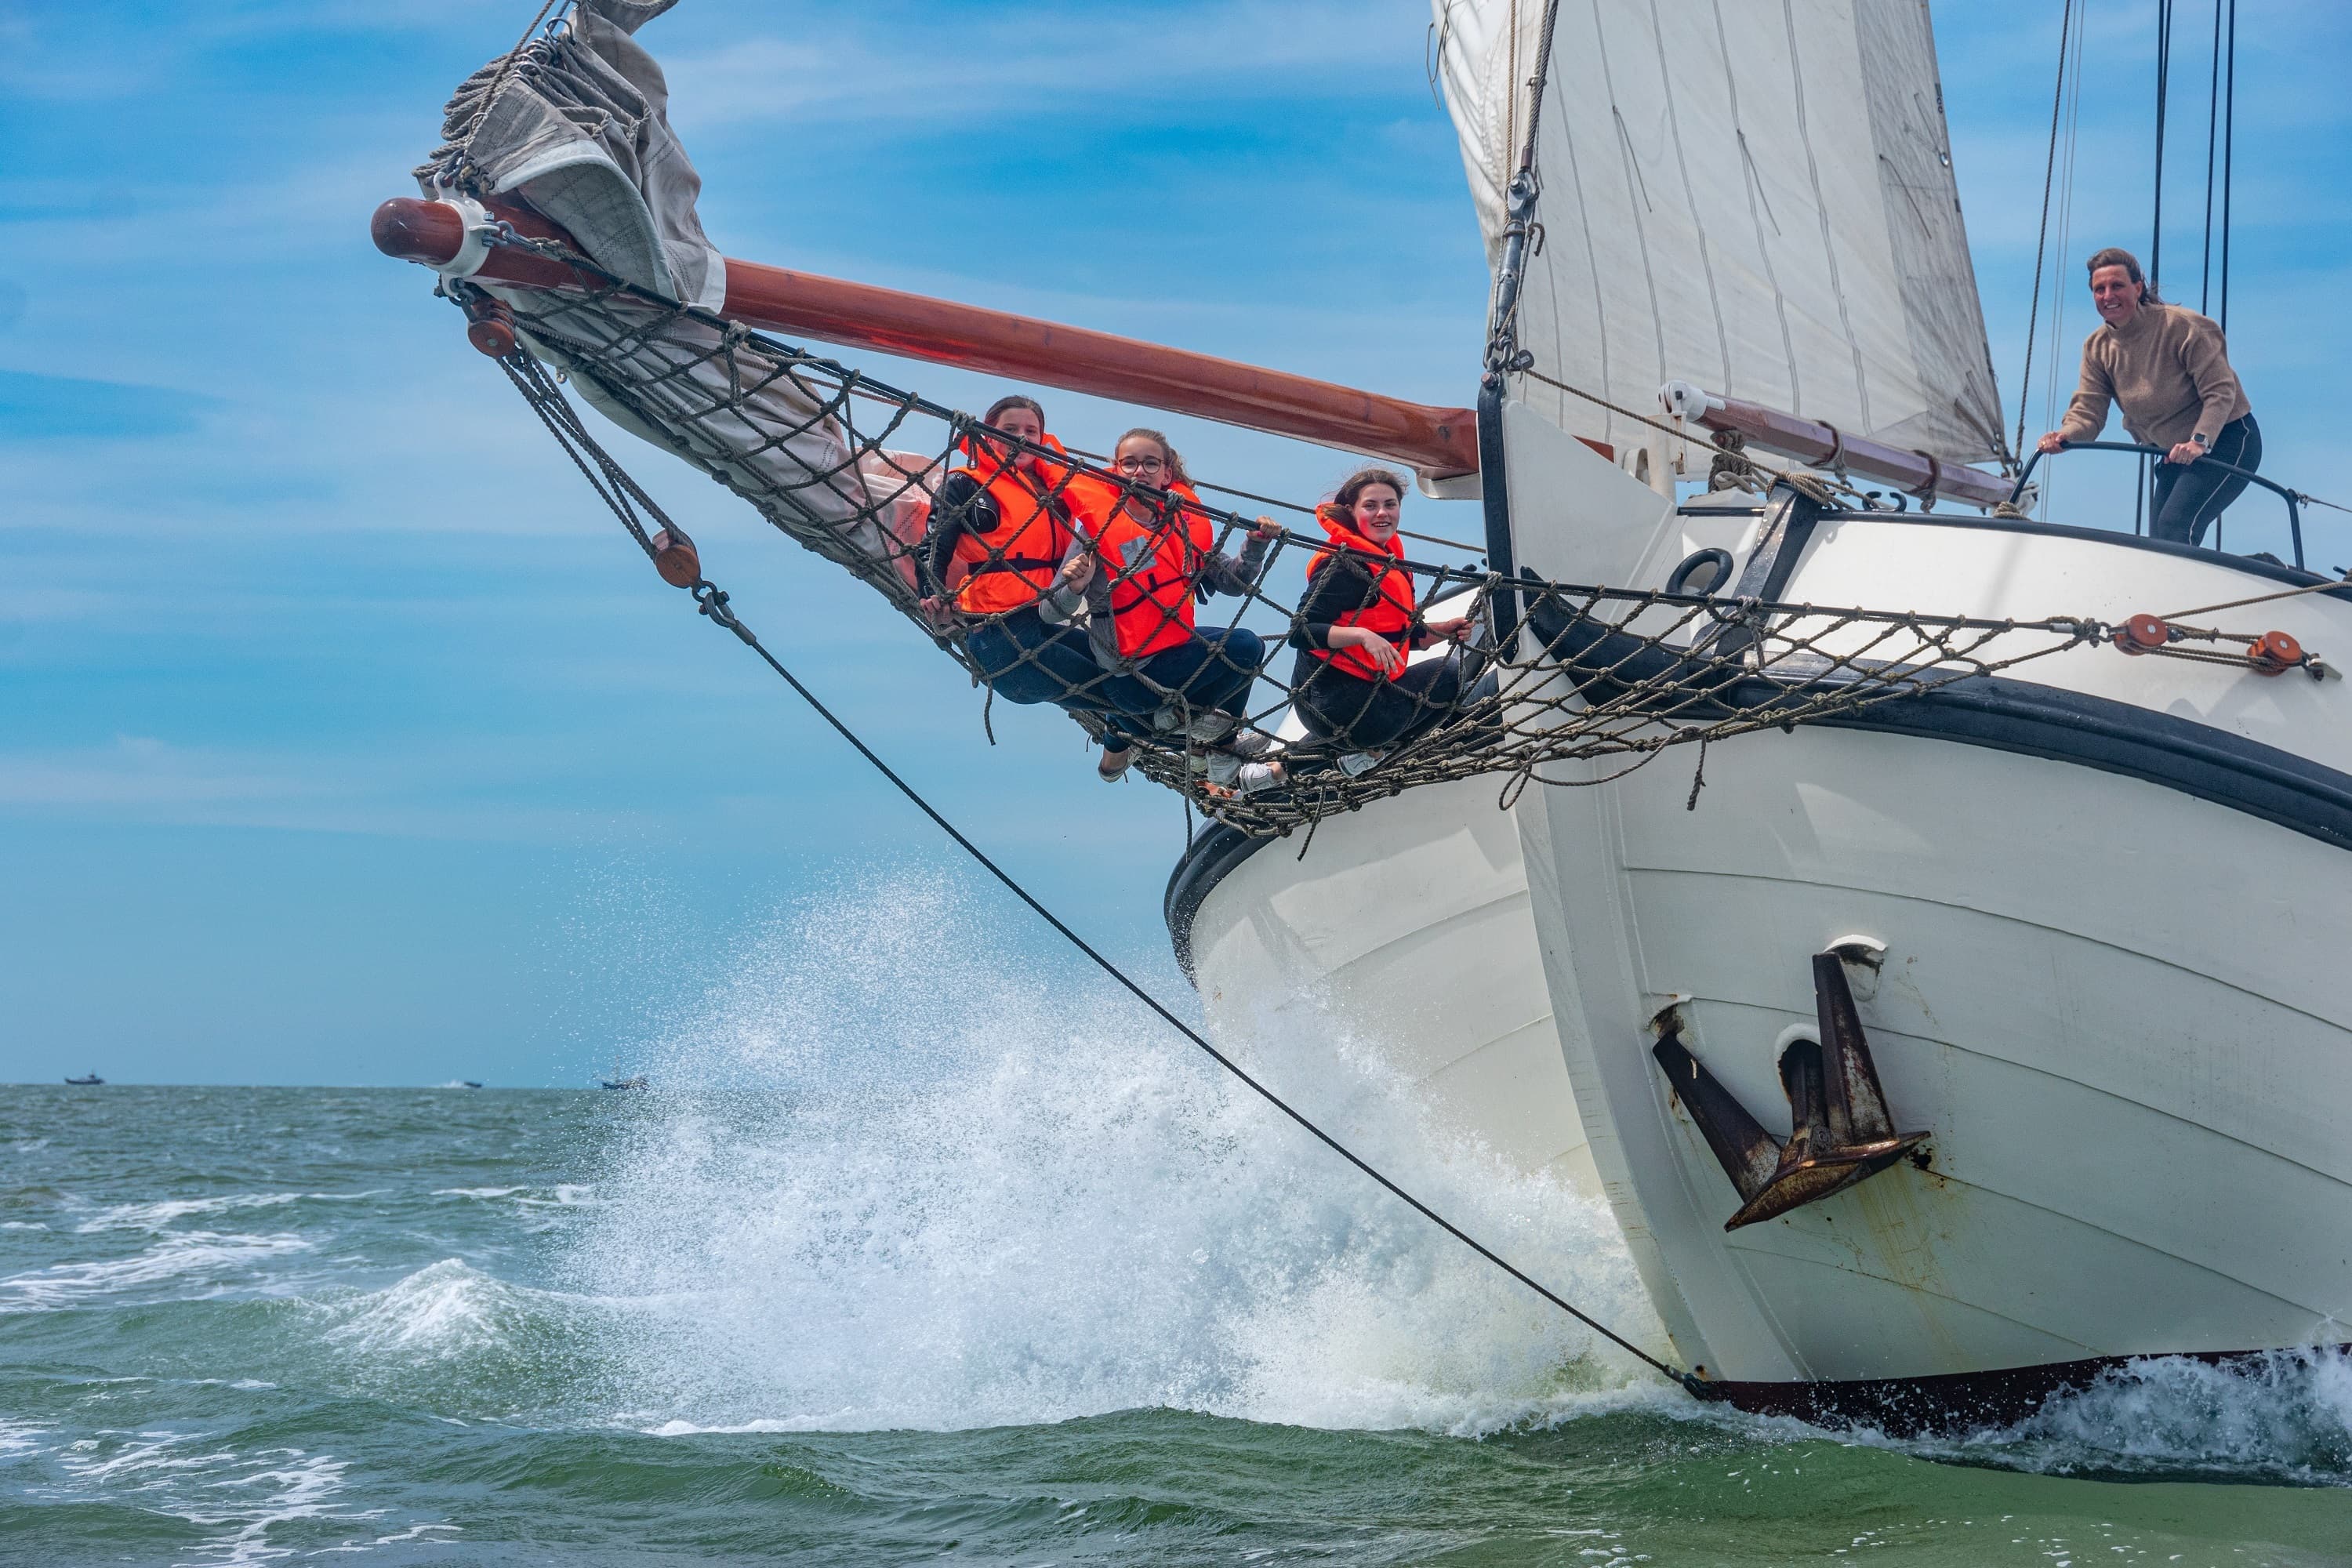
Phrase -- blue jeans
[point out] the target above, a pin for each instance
(1210, 669)
(1025, 660)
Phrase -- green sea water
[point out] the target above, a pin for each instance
(925, 1309)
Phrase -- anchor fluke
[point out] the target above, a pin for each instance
(1840, 1134)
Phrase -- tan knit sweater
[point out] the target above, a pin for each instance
(2171, 370)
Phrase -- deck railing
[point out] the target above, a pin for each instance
(2294, 500)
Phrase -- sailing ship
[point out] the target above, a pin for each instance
(1934, 1050)
(86, 1081)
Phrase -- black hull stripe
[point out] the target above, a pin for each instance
(2118, 738)
(2018, 716)
(1212, 853)
(1957, 1402)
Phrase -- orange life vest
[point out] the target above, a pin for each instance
(1151, 566)
(1389, 613)
(1038, 516)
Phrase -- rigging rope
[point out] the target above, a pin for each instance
(2229, 148)
(1615, 671)
(1820, 486)
(555, 412)
(2163, 87)
(2041, 246)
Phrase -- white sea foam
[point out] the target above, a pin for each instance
(932, 1190)
(159, 1216)
(442, 1311)
(198, 1262)
(2286, 1416)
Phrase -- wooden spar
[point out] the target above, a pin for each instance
(1437, 441)
(1826, 447)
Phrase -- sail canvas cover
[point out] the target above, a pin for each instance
(576, 123)
(1755, 196)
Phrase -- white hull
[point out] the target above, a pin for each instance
(2128, 1035)
(2117, 1003)
(1404, 933)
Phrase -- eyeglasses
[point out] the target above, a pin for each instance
(1140, 465)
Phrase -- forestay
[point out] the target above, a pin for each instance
(1754, 196)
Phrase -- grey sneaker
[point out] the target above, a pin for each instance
(1355, 763)
(1208, 729)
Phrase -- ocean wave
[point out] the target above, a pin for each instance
(164, 1214)
(206, 1261)
(444, 1311)
(2283, 1417)
(990, 1200)
(245, 1497)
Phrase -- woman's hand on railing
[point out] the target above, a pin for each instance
(2052, 442)
(2184, 453)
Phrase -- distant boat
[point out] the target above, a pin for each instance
(467, 1083)
(86, 1081)
(617, 1082)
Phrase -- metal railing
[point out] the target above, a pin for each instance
(2294, 500)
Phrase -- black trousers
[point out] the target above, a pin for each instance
(1361, 715)
(2189, 497)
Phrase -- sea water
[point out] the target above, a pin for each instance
(906, 1260)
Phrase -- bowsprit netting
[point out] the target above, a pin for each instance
(852, 468)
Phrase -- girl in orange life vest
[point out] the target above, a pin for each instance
(1139, 576)
(1353, 684)
(1000, 529)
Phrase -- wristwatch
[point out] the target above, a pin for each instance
(2203, 441)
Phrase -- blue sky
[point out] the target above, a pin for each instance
(341, 740)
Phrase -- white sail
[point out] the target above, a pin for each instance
(1756, 195)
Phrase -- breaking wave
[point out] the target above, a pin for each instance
(926, 1190)
(2285, 1416)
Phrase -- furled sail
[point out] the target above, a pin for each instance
(1754, 196)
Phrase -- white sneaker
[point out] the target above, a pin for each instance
(1249, 742)
(1252, 777)
(1355, 763)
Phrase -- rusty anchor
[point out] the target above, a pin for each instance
(1842, 1131)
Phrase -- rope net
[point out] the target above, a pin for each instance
(1138, 607)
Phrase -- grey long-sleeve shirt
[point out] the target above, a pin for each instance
(1218, 573)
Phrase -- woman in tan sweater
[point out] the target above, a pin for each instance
(2171, 370)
